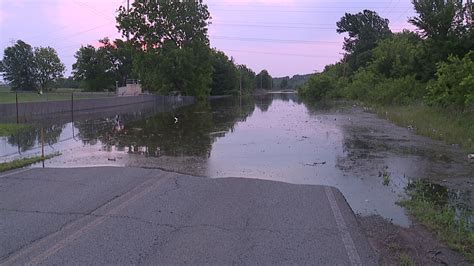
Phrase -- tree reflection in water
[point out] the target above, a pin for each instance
(193, 134)
(31, 137)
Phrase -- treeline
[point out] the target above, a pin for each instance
(435, 64)
(167, 49)
(287, 83)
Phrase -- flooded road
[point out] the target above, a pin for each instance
(274, 137)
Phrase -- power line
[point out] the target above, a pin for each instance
(286, 11)
(269, 40)
(285, 23)
(301, 6)
(283, 54)
(279, 26)
(271, 26)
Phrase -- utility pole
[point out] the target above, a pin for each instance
(469, 11)
(128, 13)
(240, 72)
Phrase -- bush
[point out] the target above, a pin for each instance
(403, 90)
(328, 84)
(454, 86)
(363, 82)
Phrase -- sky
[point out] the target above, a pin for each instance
(286, 37)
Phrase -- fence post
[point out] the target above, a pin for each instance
(72, 106)
(16, 99)
(42, 143)
(42, 146)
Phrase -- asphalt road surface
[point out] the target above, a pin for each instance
(112, 215)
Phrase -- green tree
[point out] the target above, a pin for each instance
(225, 78)
(152, 23)
(118, 56)
(68, 82)
(397, 56)
(172, 36)
(443, 25)
(48, 66)
(454, 86)
(18, 66)
(438, 19)
(365, 29)
(93, 68)
(187, 71)
(264, 80)
(284, 83)
(328, 84)
(247, 79)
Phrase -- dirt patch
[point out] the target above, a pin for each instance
(401, 246)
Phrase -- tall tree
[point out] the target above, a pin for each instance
(187, 71)
(247, 79)
(152, 23)
(443, 25)
(49, 66)
(172, 37)
(118, 55)
(284, 83)
(225, 79)
(264, 80)
(438, 19)
(93, 68)
(18, 66)
(365, 29)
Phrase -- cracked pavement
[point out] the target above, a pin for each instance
(108, 215)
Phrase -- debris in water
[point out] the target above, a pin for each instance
(112, 159)
(470, 156)
(315, 163)
(217, 133)
(175, 120)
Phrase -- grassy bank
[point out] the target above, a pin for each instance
(449, 126)
(11, 129)
(60, 95)
(432, 208)
(24, 162)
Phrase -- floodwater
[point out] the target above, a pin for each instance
(274, 137)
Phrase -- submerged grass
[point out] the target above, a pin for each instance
(449, 224)
(24, 162)
(11, 129)
(452, 127)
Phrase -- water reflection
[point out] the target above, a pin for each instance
(189, 131)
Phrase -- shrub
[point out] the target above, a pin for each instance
(454, 86)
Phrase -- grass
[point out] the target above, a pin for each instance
(449, 126)
(405, 260)
(11, 129)
(434, 211)
(20, 163)
(386, 179)
(58, 95)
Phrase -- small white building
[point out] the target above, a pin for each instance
(132, 88)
